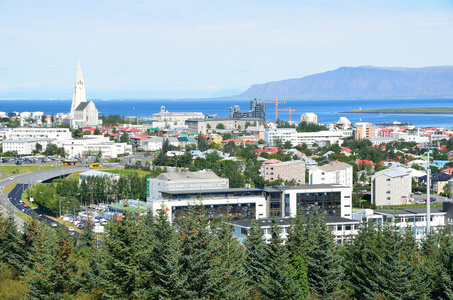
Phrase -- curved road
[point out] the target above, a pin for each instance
(11, 201)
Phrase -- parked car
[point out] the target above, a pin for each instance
(54, 224)
(420, 202)
(432, 199)
(80, 226)
(417, 193)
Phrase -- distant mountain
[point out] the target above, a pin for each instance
(361, 82)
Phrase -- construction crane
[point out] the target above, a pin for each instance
(290, 110)
(276, 106)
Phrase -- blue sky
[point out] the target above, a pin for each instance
(194, 49)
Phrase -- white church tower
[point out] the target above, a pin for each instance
(79, 95)
(83, 113)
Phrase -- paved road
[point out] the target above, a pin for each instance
(11, 201)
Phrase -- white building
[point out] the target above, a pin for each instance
(341, 228)
(93, 144)
(59, 134)
(185, 181)
(309, 118)
(82, 113)
(333, 199)
(153, 143)
(333, 173)
(310, 138)
(166, 119)
(391, 187)
(25, 146)
(414, 218)
(96, 173)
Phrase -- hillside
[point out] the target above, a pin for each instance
(361, 82)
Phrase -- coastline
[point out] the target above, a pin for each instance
(424, 111)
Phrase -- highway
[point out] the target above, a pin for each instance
(12, 201)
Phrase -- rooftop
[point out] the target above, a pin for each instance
(173, 176)
(267, 222)
(335, 166)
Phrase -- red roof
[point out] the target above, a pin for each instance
(133, 130)
(114, 134)
(90, 129)
(346, 149)
(364, 161)
(271, 161)
(233, 140)
(140, 137)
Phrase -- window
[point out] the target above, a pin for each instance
(347, 227)
(388, 179)
(339, 227)
(244, 231)
(388, 192)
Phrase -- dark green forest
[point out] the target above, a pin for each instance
(148, 258)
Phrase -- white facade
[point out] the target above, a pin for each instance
(25, 146)
(59, 134)
(153, 143)
(93, 144)
(87, 113)
(391, 187)
(174, 119)
(341, 228)
(333, 173)
(338, 193)
(79, 94)
(309, 118)
(298, 138)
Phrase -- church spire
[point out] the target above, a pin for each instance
(79, 94)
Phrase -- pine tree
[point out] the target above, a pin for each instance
(41, 275)
(121, 277)
(10, 252)
(229, 261)
(196, 245)
(279, 281)
(255, 257)
(324, 264)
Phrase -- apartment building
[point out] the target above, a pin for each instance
(333, 173)
(271, 136)
(391, 187)
(309, 118)
(94, 144)
(287, 171)
(363, 130)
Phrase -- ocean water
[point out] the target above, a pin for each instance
(328, 111)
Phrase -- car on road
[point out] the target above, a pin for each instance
(11, 178)
(420, 202)
(432, 199)
(54, 224)
(417, 192)
(25, 205)
(71, 230)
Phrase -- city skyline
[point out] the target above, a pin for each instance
(173, 49)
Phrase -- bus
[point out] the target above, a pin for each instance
(95, 165)
(69, 162)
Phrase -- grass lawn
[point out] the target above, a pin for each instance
(9, 187)
(24, 216)
(128, 171)
(26, 200)
(4, 169)
(412, 206)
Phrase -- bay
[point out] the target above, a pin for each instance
(328, 111)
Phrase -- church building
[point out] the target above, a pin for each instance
(83, 113)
